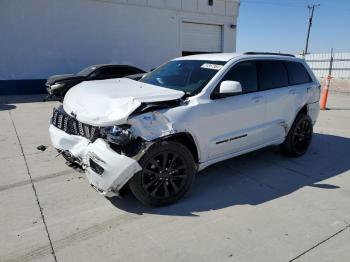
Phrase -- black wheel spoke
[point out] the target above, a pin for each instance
(164, 175)
(149, 184)
(166, 190)
(149, 171)
(165, 160)
(175, 187)
(173, 161)
(177, 176)
(155, 190)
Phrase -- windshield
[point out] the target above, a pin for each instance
(189, 76)
(87, 71)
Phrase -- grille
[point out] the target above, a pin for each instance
(72, 126)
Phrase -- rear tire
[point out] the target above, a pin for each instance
(168, 172)
(299, 137)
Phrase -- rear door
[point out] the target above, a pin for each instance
(301, 87)
(282, 99)
(300, 79)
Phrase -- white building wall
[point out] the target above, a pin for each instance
(44, 37)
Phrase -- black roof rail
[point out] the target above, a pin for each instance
(267, 53)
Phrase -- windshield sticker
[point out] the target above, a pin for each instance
(211, 66)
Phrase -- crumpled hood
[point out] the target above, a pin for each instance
(110, 102)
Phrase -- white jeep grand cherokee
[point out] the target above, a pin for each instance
(155, 134)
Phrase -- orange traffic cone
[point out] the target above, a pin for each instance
(324, 95)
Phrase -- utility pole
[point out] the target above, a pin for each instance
(312, 8)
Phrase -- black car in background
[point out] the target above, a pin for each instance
(58, 85)
(135, 77)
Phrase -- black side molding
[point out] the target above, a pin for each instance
(230, 139)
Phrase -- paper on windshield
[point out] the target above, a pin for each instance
(211, 66)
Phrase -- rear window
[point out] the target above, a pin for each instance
(106, 71)
(272, 74)
(116, 71)
(297, 73)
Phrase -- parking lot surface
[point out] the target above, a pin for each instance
(258, 207)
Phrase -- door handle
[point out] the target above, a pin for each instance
(292, 91)
(257, 99)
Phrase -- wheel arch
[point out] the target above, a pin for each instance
(187, 140)
(302, 110)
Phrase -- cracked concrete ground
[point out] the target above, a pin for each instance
(258, 207)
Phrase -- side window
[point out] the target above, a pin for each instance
(297, 73)
(123, 71)
(105, 72)
(246, 74)
(272, 74)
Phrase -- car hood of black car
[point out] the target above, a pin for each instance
(58, 78)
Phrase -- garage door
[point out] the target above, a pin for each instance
(201, 38)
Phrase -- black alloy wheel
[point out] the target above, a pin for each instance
(164, 175)
(168, 171)
(302, 136)
(299, 136)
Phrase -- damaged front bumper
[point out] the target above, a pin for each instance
(106, 170)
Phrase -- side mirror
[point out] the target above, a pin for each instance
(230, 88)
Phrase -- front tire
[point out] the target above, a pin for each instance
(299, 137)
(168, 172)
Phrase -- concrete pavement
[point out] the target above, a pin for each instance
(258, 207)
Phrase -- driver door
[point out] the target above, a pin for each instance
(234, 123)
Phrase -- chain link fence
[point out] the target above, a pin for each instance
(321, 63)
(337, 65)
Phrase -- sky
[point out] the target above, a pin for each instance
(281, 26)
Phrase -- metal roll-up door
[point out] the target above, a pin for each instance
(201, 38)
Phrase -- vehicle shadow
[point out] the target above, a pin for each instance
(18, 99)
(256, 178)
(4, 107)
(9, 102)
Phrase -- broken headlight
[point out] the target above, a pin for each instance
(118, 135)
(122, 140)
(57, 85)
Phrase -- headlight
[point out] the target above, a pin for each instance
(56, 86)
(119, 135)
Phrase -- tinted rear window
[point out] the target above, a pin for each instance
(105, 71)
(272, 74)
(297, 73)
(116, 71)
